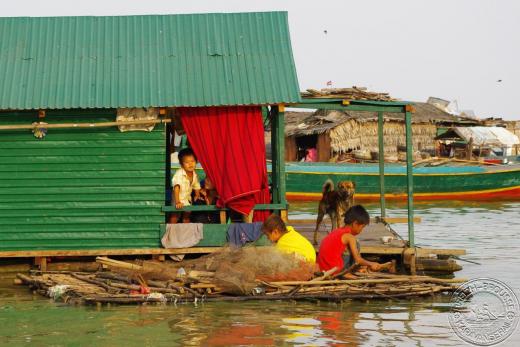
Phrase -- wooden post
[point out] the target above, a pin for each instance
(291, 151)
(274, 157)
(249, 217)
(222, 215)
(469, 149)
(409, 173)
(104, 266)
(410, 259)
(283, 215)
(380, 133)
(158, 257)
(413, 265)
(280, 153)
(322, 146)
(41, 262)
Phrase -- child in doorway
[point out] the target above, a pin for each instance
(333, 246)
(287, 239)
(184, 182)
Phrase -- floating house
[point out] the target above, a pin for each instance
(512, 125)
(86, 105)
(496, 141)
(333, 132)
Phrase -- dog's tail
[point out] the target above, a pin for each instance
(328, 186)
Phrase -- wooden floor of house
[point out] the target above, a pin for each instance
(371, 243)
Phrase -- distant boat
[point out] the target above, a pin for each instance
(482, 182)
(304, 181)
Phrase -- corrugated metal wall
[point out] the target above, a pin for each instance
(142, 61)
(80, 188)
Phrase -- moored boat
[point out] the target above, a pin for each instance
(304, 181)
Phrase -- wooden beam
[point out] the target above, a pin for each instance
(390, 220)
(106, 252)
(425, 252)
(420, 252)
(82, 125)
(396, 220)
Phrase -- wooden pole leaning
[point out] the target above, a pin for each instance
(83, 125)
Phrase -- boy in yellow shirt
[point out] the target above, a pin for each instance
(287, 239)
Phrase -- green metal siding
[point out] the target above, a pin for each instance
(80, 188)
(143, 61)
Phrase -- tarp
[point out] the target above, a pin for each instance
(485, 136)
(229, 143)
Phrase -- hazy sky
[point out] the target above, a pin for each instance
(456, 50)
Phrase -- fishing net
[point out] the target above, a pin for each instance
(232, 270)
(238, 269)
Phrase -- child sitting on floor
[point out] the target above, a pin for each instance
(184, 182)
(334, 244)
(287, 239)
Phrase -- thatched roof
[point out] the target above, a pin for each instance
(308, 123)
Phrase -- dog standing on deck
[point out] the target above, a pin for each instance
(335, 203)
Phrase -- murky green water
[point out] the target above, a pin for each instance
(489, 231)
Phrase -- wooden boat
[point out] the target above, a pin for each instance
(305, 180)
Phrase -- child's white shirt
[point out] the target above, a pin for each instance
(180, 178)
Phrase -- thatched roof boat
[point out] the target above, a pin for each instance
(336, 132)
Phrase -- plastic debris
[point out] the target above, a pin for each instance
(57, 291)
(156, 296)
(181, 273)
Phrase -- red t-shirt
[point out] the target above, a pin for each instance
(332, 249)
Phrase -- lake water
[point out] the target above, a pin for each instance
(488, 231)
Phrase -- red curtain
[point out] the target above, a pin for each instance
(229, 144)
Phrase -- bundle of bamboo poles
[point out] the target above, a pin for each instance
(367, 286)
(353, 93)
(125, 284)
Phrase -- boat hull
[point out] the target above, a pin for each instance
(304, 181)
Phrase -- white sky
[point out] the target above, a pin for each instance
(455, 50)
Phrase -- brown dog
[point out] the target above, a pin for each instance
(335, 203)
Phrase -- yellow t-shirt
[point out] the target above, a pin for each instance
(294, 242)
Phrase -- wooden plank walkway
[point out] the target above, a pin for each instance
(371, 242)
(372, 235)
(371, 239)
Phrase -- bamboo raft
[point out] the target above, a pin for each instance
(116, 287)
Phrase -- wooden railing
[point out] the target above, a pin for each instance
(222, 210)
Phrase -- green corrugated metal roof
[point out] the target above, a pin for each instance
(143, 61)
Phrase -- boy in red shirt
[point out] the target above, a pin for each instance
(334, 244)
